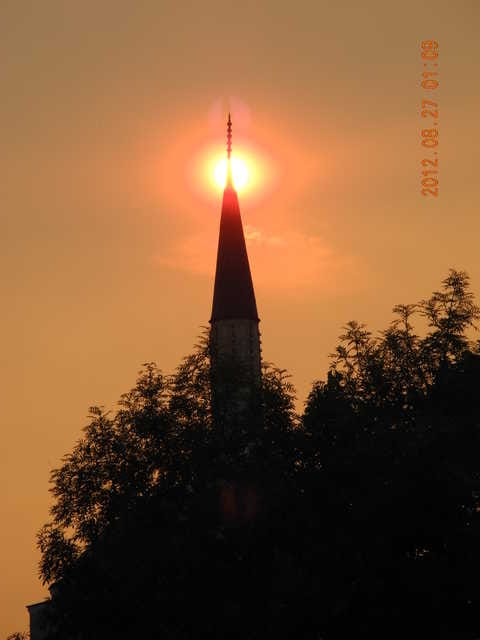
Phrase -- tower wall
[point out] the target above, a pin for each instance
(237, 341)
(235, 374)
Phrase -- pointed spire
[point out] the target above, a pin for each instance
(229, 152)
(233, 295)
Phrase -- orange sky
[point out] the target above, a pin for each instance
(108, 244)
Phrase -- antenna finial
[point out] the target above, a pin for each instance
(229, 136)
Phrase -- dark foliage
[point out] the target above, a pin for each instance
(361, 519)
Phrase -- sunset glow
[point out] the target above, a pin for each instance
(240, 173)
(254, 172)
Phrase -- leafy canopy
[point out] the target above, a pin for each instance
(360, 518)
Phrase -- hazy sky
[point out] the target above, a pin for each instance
(108, 240)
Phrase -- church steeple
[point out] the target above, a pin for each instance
(234, 334)
(233, 295)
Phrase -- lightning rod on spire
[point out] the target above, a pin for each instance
(229, 152)
(229, 136)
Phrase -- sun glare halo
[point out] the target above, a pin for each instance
(252, 171)
(240, 173)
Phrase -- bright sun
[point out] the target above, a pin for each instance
(252, 171)
(239, 173)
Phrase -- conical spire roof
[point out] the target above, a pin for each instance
(233, 295)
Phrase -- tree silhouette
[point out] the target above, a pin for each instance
(158, 471)
(361, 517)
(394, 438)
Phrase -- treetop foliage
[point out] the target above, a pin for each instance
(359, 517)
(161, 436)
